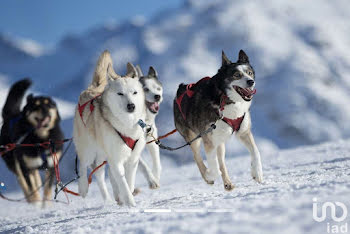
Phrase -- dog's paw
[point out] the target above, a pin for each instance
(257, 173)
(153, 184)
(83, 189)
(228, 186)
(156, 172)
(129, 202)
(136, 191)
(46, 204)
(210, 176)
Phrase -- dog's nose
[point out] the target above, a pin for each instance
(131, 107)
(157, 97)
(250, 83)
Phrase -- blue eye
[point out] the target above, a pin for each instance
(120, 94)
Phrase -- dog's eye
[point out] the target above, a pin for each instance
(146, 89)
(237, 74)
(120, 94)
(135, 93)
(250, 73)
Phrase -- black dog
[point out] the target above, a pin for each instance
(38, 122)
(224, 99)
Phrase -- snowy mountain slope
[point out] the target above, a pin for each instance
(300, 56)
(283, 204)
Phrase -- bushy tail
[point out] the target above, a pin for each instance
(104, 67)
(14, 99)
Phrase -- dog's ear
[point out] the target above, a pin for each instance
(225, 60)
(30, 98)
(131, 70)
(152, 72)
(242, 57)
(111, 73)
(139, 71)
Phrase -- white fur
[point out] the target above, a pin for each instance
(32, 162)
(223, 132)
(98, 141)
(154, 88)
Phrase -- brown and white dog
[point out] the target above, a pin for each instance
(37, 122)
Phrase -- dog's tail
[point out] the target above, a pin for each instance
(14, 99)
(104, 68)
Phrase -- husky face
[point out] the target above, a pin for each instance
(239, 78)
(125, 95)
(153, 90)
(41, 112)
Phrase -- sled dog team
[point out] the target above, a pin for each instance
(106, 127)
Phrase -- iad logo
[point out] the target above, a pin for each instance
(330, 208)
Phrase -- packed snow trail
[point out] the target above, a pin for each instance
(282, 204)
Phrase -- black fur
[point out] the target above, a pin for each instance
(16, 125)
(202, 109)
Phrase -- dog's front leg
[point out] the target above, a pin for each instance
(153, 148)
(146, 171)
(48, 182)
(22, 181)
(118, 172)
(130, 173)
(225, 177)
(256, 167)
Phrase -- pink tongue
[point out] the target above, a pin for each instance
(44, 122)
(248, 92)
(155, 106)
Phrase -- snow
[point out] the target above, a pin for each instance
(300, 52)
(282, 204)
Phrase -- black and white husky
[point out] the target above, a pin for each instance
(224, 99)
(154, 96)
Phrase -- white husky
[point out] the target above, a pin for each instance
(154, 96)
(106, 129)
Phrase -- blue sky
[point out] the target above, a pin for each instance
(46, 21)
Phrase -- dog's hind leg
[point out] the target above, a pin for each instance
(146, 171)
(225, 177)
(256, 168)
(22, 181)
(195, 147)
(83, 180)
(213, 165)
(100, 177)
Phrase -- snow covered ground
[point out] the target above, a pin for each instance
(282, 204)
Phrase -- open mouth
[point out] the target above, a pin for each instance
(246, 94)
(153, 106)
(43, 123)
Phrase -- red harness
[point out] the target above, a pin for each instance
(235, 124)
(127, 140)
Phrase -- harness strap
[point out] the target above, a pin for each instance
(128, 140)
(189, 92)
(235, 124)
(81, 107)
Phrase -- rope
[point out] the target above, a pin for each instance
(162, 137)
(210, 129)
